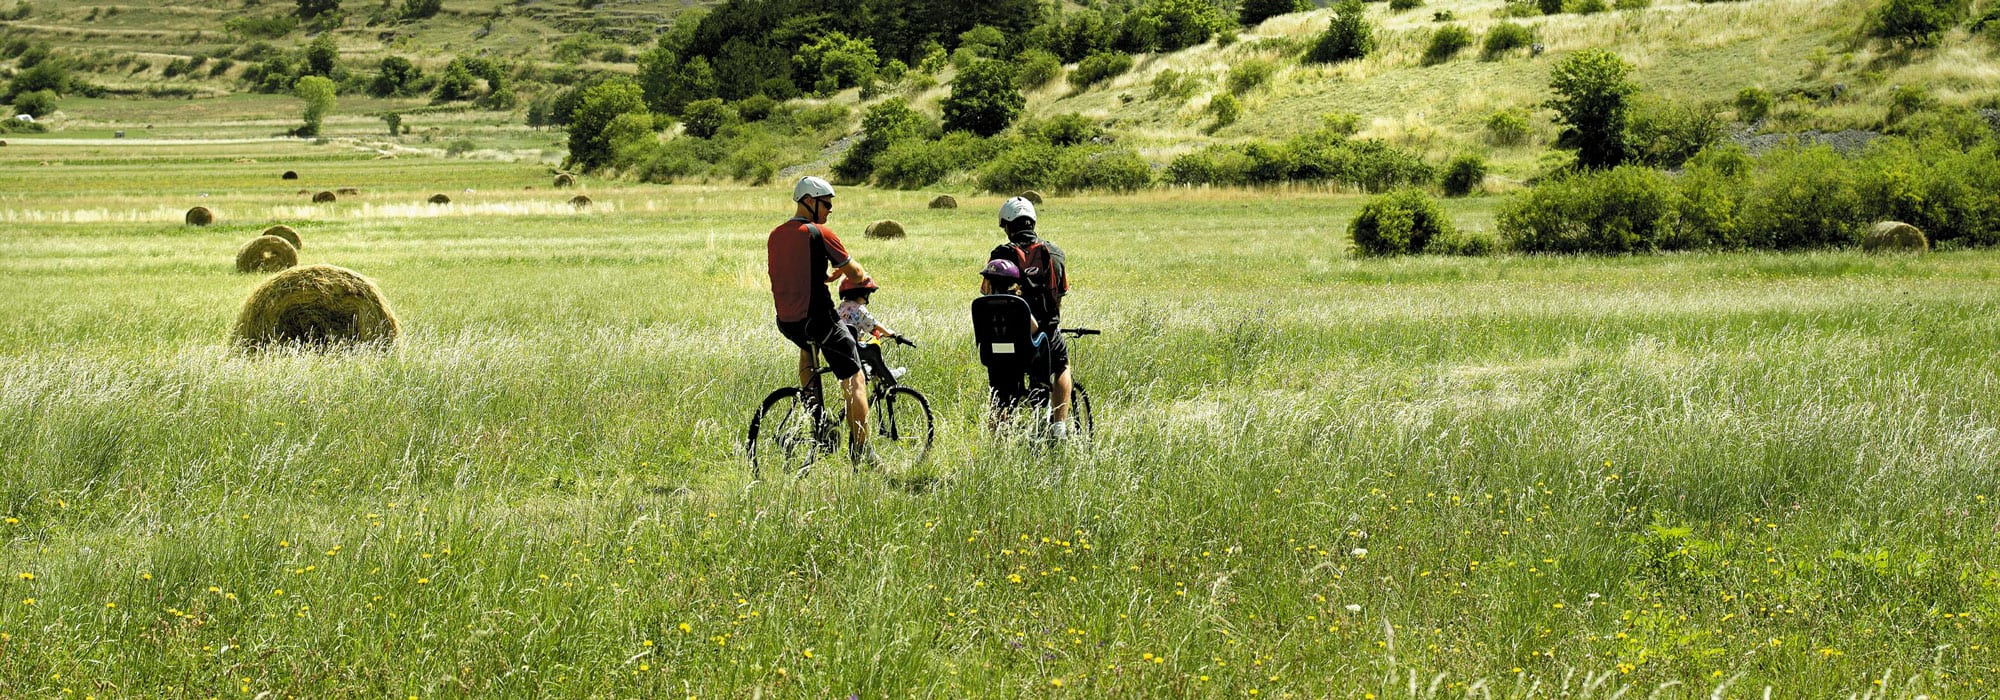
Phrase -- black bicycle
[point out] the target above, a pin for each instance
(1082, 422)
(792, 428)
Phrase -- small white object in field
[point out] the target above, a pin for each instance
(1353, 608)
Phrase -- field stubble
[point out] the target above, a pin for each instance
(1316, 475)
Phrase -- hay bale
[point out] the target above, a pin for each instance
(266, 254)
(565, 180)
(286, 232)
(289, 175)
(944, 201)
(580, 202)
(3, 144)
(318, 307)
(347, 191)
(303, 192)
(440, 198)
(884, 229)
(323, 197)
(200, 216)
(1894, 237)
(1032, 196)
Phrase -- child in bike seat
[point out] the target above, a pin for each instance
(866, 327)
(1007, 333)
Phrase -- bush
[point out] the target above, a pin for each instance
(37, 104)
(1226, 109)
(1951, 193)
(918, 164)
(1022, 166)
(1753, 104)
(1322, 156)
(1099, 68)
(1463, 175)
(1592, 93)
(1403, 5)
(1915, 23)
(1399, 223)
(1446, 42)
(1906, 100)
(596, 108)
(1587, 7)
(1505, 37)
(1463, 242)
(1252, 12)
(1665, 135)
(1622, 210)
(1507, 127)
(1802, 198)
(1550, 7)
(983, 99)
(1063, 130)
(1248, 75)
(1632, 4)
(1349, 38)
(459, 147)
(706, 118)
(421, 9)
(884, 124)
(1711, 203)
(1092, 168)
(1171, 84)
(1034, 68)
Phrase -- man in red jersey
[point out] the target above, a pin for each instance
(798, 255)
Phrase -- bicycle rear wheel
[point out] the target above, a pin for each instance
(780, 439)
(904, 427)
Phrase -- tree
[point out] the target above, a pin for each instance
(884, 124)
(1350, 37)
(457, 82)
(421, 9)
(835, 62)
(1178, 24)
(983, 99)
(396, 76)
(37, 104)
(1915, 23)
(310, 10)
(1592, 101)
(598, 106)
(704, 118)
(1253, 12)
(318, 94)
(395, 122)
(321, 55)
(47, 75)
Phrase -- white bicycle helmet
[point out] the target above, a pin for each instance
(810, 186)
(1016, 208)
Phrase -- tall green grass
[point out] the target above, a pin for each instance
(1315, 475)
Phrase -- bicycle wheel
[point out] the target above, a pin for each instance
(781, 435)
(1081, 422)
(904, 427)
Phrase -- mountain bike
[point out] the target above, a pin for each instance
(792, 429)
(1082, 420)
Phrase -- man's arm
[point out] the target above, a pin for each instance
(852, 270)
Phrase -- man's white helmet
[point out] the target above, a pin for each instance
(810, 186)
(1016, 208)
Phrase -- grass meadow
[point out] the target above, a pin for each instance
(1316, 476)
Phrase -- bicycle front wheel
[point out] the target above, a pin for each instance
(904, 427)
(1081, 421)
(780, 439)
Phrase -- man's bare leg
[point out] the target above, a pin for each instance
(1062, 387)
(856, 389)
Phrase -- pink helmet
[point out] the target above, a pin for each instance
(1002, 271)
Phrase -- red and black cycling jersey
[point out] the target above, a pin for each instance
(1045, 277)
(798, 256)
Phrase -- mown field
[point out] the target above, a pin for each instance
(1316, 476)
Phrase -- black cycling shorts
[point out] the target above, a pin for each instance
(836, 345)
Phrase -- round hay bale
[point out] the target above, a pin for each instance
(3, 143)
(944, 201)
(266, 254)
(323, 197)
(884, 229)
(565, 180)
(1032, 196)
(289, 175)
(1894, 237)
(288, 233)
(200, 216)
(440, 198)
(348, 191)
(580, 202)
(317, 307)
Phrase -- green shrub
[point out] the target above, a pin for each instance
(755, 108)
(1802, 198)
(1034, 68)
(1951, 193)
(1096, 168)
(1550, 7)
(1632, 4)
(1350, 37)
(1711, 202)
(1404, 5)
(1022, 166)
(1915, 23)
(1507, 127)
(1593, 92)
(1586, 7)
(1171, 84)
(1463, 175)
(1665, 135)
(705, 118)
(917, 164)
(1504, 37)
(983, 99)
(1906, 100)
(886, 123)
(1251, 12)
(1399, 223)
(36, 103)
(1753, 104)
(1099, 68)
(1248, 75)
(1463, 242)
(1226, 109)
(1445, 43)
(1341, 124)
(1626, 209)
(1062, 129)
(1444, 16)
(1209, 166)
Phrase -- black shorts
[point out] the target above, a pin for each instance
(836, 345)
(1011, 386)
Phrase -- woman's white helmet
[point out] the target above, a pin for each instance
(1016, 208)
(810, 186)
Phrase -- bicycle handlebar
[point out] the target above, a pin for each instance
(1080, 331)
